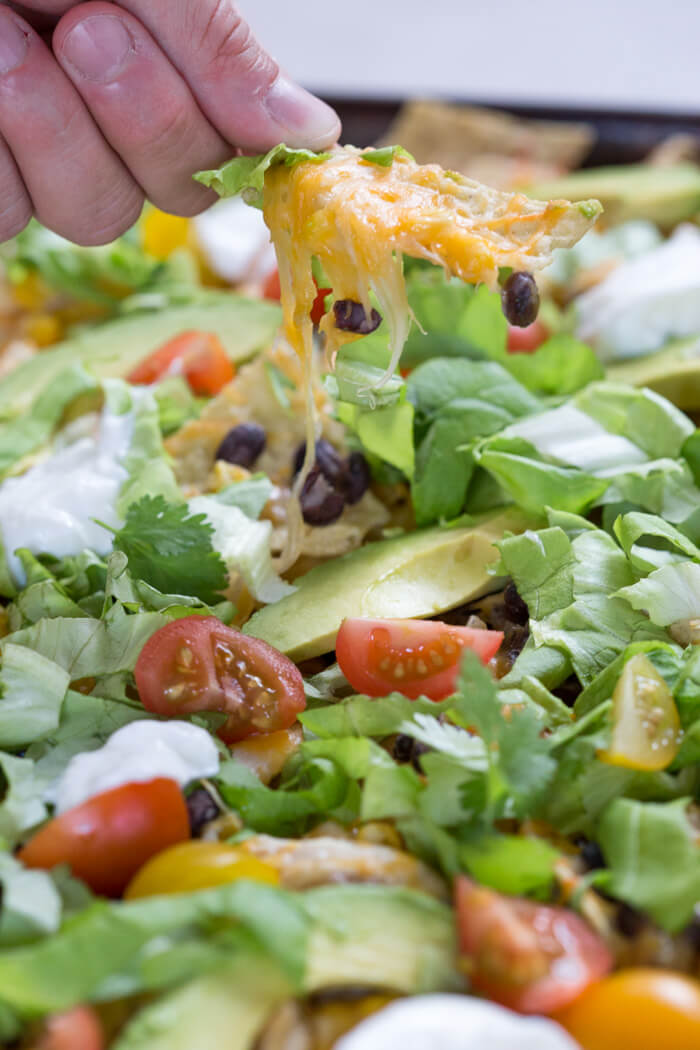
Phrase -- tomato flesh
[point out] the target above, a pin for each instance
(76, 1029)
(530, 957)
(198, 865)
(413, 657)
(199, 664)
(526, 340)
(108, 838)
(646, 730)
(271, 290)
(198, 356)
(641, 1008)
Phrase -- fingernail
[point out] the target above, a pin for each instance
(305, 119)
(98, 48)
(13, 45)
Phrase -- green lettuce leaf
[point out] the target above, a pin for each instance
(653, 859)
(570, 586)
(246, 175)
(144, 945)
(103, 274)
(32, 690)
(242, 545)
(31, 904)
(21, 805)
(668, 594)
(89, 648)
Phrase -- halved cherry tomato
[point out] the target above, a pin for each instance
(413, 657)
(530, 957)
(199, 664)
(641, 1008)
(526, 340)
(76, 1029)
(108, 838)
(318, 307)
(271, 286)
(198, 356)
(197, 866)
(646, 729)
(271, 290)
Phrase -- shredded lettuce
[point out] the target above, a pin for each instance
(32, 693)
(653, 859)
(103, 275)
(244, 546)
(246, 175)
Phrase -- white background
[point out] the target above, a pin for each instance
(632, 54)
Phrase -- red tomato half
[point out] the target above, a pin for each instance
(526, 340)
(271, 290)
(108, 838)
(76, 1029)
(530, 957)
(199, 664)
(198, 356)
(271, 286)
(413, 657)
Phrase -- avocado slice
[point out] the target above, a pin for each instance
(417, 574)
(673, 372)
(113, 348)
(366, 936)
(665, 195)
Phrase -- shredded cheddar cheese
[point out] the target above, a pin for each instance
(359, 218)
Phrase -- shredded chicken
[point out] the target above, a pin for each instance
(305, 863)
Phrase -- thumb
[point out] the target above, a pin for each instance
(237, 84)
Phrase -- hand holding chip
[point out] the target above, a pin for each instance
(102, 104)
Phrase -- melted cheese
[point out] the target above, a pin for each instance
(359, 219)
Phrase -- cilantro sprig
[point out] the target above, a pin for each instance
(171, 549)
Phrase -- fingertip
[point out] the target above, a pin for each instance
(305, 120)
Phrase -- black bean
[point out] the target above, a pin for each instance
(357, 477)
(520, 299)
(592, 855)
(202, 809)
(515, 607)
(328, 460)
(243, 444)
(321, 503)
(402, 749)
(351, 317)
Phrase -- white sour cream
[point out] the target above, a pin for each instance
(50, 509)
(646, 301)
(454, 1022)
(140, 751)
(235, 241)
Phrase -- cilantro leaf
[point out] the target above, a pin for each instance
(520, 765)
(171, 549)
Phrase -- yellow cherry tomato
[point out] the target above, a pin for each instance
(163, 234)
(646, 730)
(197, 865)
(644, 1009)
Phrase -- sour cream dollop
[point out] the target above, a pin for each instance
(454, 1022)
(140, 751)
(52, 507)
(646, 301)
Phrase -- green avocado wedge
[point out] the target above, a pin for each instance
(673, 372)
(417, 574)
(664, 195)
(115, 347)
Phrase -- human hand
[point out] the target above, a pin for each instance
(134, 97)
